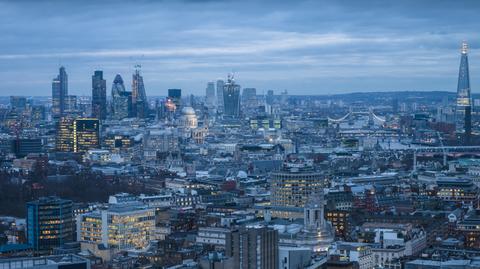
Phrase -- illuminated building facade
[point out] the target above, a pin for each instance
(122, 226)
(64, 137)
(86, 134)
(49, 223)
(77, 135)
(463, 87)
(292, 185)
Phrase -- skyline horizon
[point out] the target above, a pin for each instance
(311, 48)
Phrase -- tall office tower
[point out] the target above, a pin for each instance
(249, 96)
(292, 185)
(231, 98)
(139, 97)
(99, 96)
(253, 248)
(122, 100)
(64, 136)
(463, 88)
(59, 93)
(220, 84)
(77, 135)
(395, 105)
(49, 223)
(210, 94)
(70, 104)
(175, 96)
(18, 103)
(86, 134)
(269, 98)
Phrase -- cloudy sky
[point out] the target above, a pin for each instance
(306, 47)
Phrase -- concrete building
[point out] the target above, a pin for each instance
(253, 248)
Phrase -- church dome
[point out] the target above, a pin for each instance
(188, 111)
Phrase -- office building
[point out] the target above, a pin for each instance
(24, 146)
(64, 137)
(18, 103)
(210, 94)
(86, 134)
(249, 97)
(121, 226)
(59, 93)
(220, 84)
(99, 96)
(175, 96)
(71, 105)
(292, 185)
(49, 223)
(139, 96)
(231, 98)
(77, 135)
(121, 99)
(253, 248)
(269, 98)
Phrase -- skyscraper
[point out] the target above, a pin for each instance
(210, 94)
(59, 93)
(175, 95)
(231, 98)
(77, 135)
(86, 134)
(463, 87)
(64, 136)
(220, 84)
(122, 100)
(49, 223)
(249, 97)
(99, 96)
(139, 97)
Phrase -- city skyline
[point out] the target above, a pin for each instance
(311, 48)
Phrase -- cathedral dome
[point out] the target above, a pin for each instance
(188, 111)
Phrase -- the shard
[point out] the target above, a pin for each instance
(463, 88)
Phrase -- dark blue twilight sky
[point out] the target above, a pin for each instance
(307, 47)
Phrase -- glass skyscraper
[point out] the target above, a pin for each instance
(220, 84)
(463, 88)
(99, 96)
(139, 97)
(122, 100)
(59, 93)
(231, 98)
